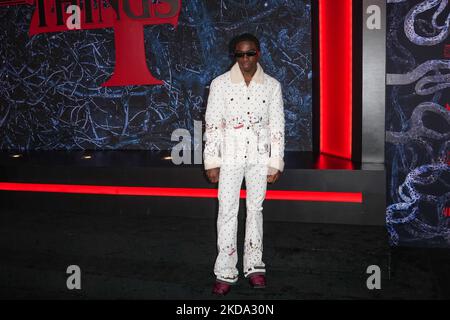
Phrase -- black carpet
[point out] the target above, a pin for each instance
(136, 256)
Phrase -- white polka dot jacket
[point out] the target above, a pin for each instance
(244, 124)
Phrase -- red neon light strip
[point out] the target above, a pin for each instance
(179, 192)
(447, 211)
(335, 42)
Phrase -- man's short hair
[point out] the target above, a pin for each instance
(244, 37)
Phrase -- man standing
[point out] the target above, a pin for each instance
(244, 138)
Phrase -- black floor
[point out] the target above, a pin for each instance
(137, 256)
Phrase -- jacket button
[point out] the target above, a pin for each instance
(248, 142)
(248, 128)
(248, 98)
(264, 101)
(245, 157)
(232, 99)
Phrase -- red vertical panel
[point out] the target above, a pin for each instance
(335, 23)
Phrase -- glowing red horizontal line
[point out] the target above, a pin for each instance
(179, 192)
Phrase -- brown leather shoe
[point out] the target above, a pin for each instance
(221, 288)
(258, 281)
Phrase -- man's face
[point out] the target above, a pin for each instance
(247, 63)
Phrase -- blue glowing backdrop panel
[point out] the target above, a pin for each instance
(418, 122)
(51, 93)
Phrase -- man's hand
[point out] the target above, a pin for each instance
(273, 177)
(213, 174)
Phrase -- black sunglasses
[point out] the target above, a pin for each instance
(250, 53)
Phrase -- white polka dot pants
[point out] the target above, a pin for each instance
(230, 181)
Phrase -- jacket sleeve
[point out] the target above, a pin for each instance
(276, 125)
(213, 128)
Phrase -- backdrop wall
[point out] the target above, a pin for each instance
(417, 122)
(51, 95)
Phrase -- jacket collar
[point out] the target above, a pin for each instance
(237, 76)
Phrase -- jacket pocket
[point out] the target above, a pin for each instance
(229, 147)
(263, 145)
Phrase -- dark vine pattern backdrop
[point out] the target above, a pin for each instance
(418, 122)
(51, 94)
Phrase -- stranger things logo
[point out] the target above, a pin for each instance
(126, 17)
